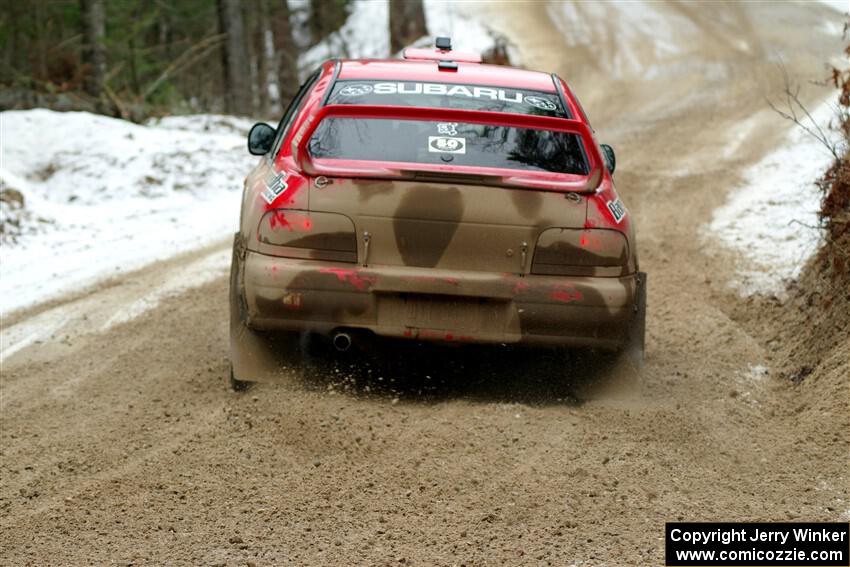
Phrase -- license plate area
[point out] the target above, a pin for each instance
(443, 312)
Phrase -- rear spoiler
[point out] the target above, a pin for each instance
(470, 174)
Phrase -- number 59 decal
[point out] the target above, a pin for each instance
(446, 145)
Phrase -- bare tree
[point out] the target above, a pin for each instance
(793, 109)
(94, 51)
(326, 16)
(407, 23)
(237, 87)
(260, 31)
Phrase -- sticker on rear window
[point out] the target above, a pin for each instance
(355, 90)
(446, 145)
(618, 210)
(541, 103)
(448, 95)
(447, 128)
(275, 185)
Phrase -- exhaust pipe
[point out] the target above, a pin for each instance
(342, 342)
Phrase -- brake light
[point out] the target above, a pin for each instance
(580, 252)
(306, 234)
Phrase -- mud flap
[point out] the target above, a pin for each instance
(636, 339)
(254, 357)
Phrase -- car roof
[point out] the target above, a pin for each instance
(429, 71)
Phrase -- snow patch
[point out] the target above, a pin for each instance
(95, 313)
(771, 219)
(193, 275)
(462, 22)
(756, 372)
(18, 218)
(842, 6)
(628, 38)
(366, 34)
(204, 123)
(113, 195)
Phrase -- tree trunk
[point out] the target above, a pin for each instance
(261, 50)
(40, 48)
(326, 16)
(94, 51)
(407, 23)
(164, 32)
(234, 58)
(251, 23)
(286, 54)
(14, 49)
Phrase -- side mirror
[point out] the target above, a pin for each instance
(609, 157)
(260, 139)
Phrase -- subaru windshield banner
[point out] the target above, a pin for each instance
(444, 95)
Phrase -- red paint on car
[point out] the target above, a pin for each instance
(346, 275)
(520, 287)
(566, 294)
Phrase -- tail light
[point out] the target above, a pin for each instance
(308, 235)
(580, 252)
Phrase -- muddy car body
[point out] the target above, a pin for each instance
(433, 198)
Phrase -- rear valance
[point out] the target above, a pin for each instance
(536, 152)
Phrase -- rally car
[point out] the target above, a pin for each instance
(432, 198)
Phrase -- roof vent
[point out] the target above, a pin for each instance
(443, 43)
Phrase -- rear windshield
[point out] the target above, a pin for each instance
(444, 95)
(457, 143)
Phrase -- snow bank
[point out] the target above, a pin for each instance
(204, 123)
(103, 195)
(771, 218)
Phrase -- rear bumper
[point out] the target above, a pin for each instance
(437, 305)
